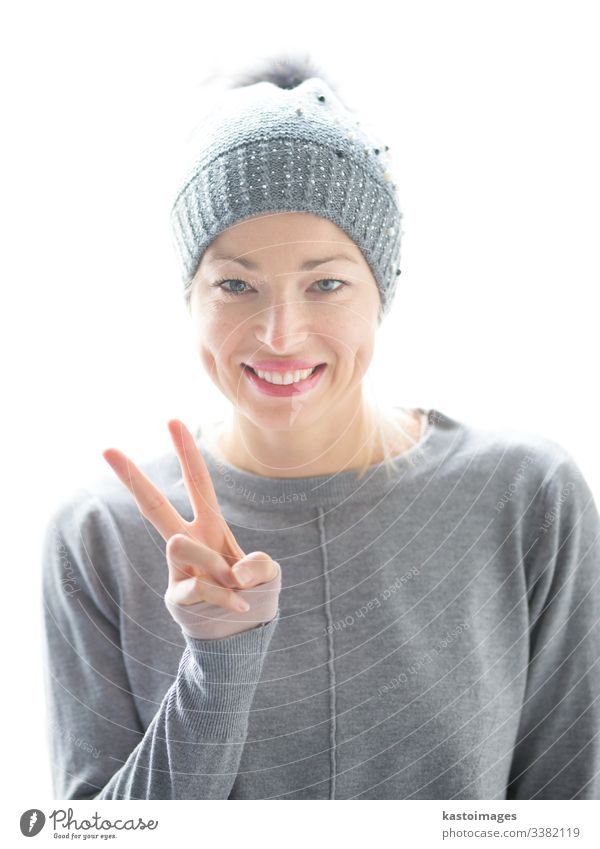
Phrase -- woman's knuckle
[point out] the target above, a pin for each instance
(175, 544)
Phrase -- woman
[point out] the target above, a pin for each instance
(356, 604)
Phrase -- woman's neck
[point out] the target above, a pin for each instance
(280, 454)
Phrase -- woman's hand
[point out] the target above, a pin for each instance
(205, 562)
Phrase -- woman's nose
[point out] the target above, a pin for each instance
(284, 324)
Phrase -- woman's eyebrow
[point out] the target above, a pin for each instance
(306, 266)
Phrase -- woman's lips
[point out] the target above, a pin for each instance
(281, 389)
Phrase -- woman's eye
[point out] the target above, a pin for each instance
(331, 280)
(220, 284)
(242, 291)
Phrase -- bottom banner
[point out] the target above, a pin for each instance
(272, 823)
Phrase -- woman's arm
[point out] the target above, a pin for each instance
(192, 747)
(557, 755)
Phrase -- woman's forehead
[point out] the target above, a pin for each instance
(306, 235)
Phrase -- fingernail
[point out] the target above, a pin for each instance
(243, 574)
(243, 606)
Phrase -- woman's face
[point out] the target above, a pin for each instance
(279, 301)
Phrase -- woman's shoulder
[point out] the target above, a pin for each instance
(516, 456)
(93, 534)
(103, 505)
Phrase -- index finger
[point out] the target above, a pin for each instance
(150, 500)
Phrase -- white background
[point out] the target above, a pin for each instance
(490, 110)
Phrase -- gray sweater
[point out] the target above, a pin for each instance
(437, 635)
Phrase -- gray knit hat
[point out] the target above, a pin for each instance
(286, 143)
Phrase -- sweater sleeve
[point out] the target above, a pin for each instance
(557, 752)
(98, 746)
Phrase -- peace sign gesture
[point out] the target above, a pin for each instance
(201, 554)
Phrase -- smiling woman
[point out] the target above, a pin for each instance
(316, 599)
(293, 272)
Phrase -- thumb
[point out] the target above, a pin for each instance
(255, 568)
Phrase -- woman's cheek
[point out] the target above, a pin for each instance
(207, 359)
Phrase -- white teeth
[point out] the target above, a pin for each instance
(285, 378)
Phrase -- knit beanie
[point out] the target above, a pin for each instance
(283, 141)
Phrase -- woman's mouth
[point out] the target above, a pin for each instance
(284, 383)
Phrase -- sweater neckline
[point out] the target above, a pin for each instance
(233, 483)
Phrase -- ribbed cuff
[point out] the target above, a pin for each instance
(223, 675)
